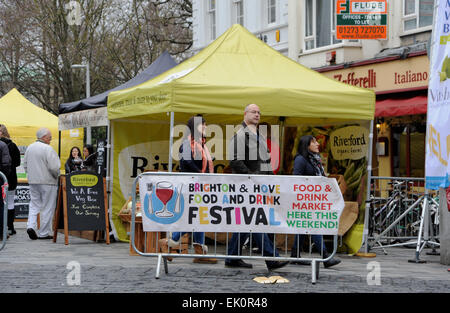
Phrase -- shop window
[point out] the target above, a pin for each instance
(320, 24)
(417, 14)
(408, 150)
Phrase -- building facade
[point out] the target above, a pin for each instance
(266, 19)
(396, 68)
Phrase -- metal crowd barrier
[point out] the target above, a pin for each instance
(219, 249)
(4, 198)
(402, 213)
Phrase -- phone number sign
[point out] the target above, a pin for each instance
(361, 19)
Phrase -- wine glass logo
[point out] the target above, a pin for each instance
(164, 192)
(163, 202)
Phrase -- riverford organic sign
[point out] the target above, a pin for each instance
(240, 203)
(349, 143)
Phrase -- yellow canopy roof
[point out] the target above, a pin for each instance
(22, 118)
(235, 70)
(17, 111)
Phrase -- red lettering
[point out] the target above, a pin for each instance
(259, 199)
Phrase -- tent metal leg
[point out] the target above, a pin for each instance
(172, 117)
(367, 204)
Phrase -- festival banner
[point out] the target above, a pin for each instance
(240, 203)
(437, 167)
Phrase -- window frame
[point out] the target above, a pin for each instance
(212, 21)
(268, 10)
(313, 38)
(238, 12)
(416, 16)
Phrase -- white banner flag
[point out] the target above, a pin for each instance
(437, 167)
(240, 203)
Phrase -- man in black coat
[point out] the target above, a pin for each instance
(5, 168)
(249, 155)
(14, 154)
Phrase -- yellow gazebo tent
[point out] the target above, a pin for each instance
(234, 70)
(237, 69)
(23, 119)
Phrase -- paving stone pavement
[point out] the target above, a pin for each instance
(42, 266)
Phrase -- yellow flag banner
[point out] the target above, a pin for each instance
(136, 149)
(437, 165)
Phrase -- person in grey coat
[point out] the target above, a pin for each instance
(42, 165)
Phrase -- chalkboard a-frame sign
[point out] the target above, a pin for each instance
(81, 204)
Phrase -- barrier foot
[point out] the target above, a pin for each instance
(315, 272)
(417, 259)
(158, 266)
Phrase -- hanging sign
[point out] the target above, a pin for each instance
(361, 19)
(350, 142)
(240, 203)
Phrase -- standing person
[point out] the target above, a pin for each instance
(74, 161)
(5, 168)
(250, 156)
(307, 162)
(194, 158)
(90, 158)
(14, 154)
(42, 166)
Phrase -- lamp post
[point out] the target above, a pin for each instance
(88, 94)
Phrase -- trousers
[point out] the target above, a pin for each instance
(298, 244)
(262, 241)
(43, 201)
(199, 237)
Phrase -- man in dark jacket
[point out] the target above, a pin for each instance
(14, 153)
(249, 155)
(5, 168)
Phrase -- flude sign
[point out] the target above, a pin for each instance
(361, 19)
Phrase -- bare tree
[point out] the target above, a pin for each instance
(41, 39)
(144, 30)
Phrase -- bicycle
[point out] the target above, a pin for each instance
(385, 211)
